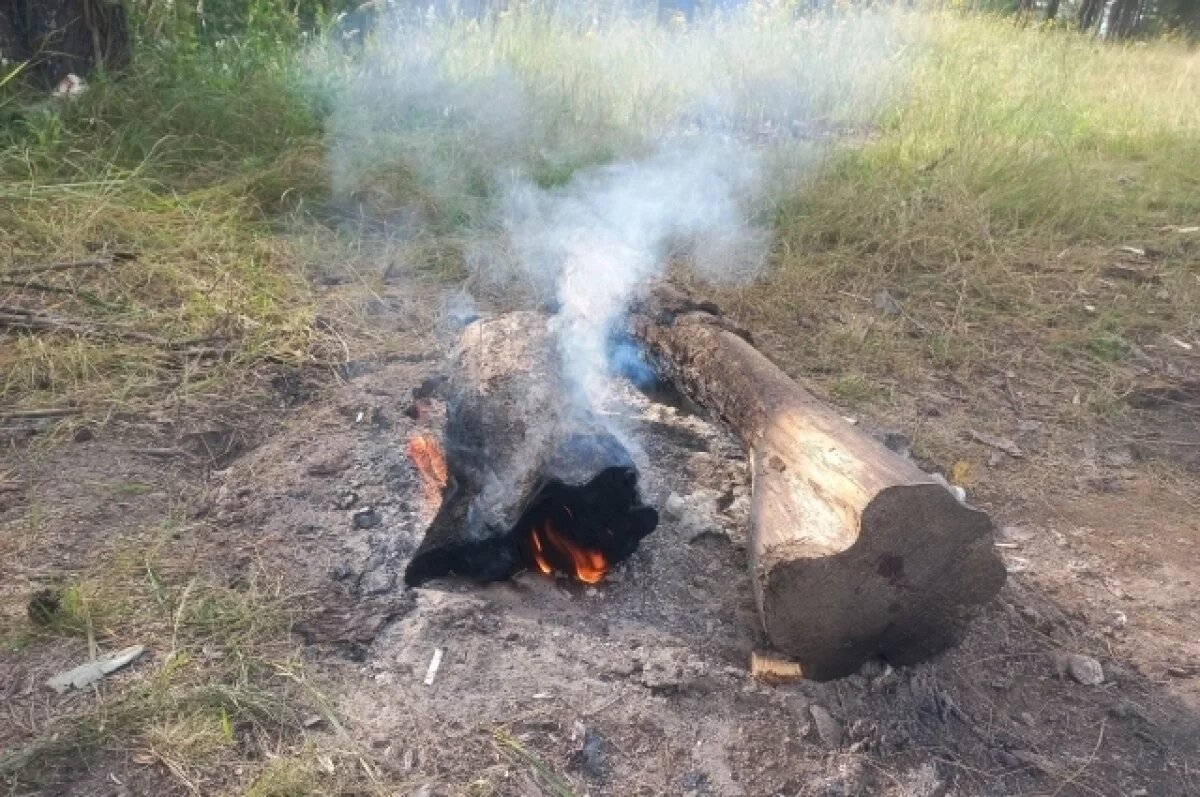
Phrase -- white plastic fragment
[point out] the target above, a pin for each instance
(434, 664)
(92, 671)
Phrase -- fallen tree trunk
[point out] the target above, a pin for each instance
(855, 552)
(534, 480)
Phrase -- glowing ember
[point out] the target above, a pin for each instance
(426, 454)
(554, 551)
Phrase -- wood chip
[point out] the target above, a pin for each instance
(773, 669)
(998, 443)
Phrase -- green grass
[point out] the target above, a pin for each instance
(182, 168)
(221, 677)
(972, 164)
(983, 170)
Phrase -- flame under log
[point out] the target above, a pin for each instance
(855, 552)
(531, 481)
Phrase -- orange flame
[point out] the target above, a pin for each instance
(426, 454)
(551, 548)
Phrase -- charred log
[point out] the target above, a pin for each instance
(855, 552)
(534, 481)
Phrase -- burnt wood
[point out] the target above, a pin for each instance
(518, 449)
(855, 551)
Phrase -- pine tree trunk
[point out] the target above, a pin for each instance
(1090, 13)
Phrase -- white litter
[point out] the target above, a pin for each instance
(86, 674)
(434, 664)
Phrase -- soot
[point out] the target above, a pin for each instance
(582, 515)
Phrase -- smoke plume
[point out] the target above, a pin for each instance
(572, 157)
(612, 229)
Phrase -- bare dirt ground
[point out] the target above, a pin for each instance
(638, 685)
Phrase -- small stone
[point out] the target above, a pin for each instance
(897, 442)
(84, 434)
(1125, 710)
(1015, 534)
(313, 720)
(1085, 670)
(675, 505)
(828, 728)
(345, 500)
(366, 518)
(329, 466)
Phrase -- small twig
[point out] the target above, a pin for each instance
(34, 286)
(162, 453)
(1087, 762)
(21, 318)
(43, 412)
(44, 268)
(86, 296)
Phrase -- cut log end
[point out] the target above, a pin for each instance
(923, 563)
(855, 551)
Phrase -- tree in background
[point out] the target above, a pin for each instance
(62, 37)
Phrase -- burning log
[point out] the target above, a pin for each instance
(855, 552)
(531, 479)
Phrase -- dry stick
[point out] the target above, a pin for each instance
(44, 412)
(20, 318)
(86, 296)
(44, 268)
(1071, 779)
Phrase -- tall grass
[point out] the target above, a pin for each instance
(182, 164)
(896, 145)
(970, 164)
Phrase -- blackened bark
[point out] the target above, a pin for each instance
(518, 452)
(61, 37)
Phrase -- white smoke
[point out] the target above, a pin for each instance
(612, 228)
(478, 129)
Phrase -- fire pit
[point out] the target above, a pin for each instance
(532, 479)
(855, 552)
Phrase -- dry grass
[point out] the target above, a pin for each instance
(196, 290)
(983, 175)
(222, 685)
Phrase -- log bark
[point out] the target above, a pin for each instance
(517, 451)
(854, 551)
